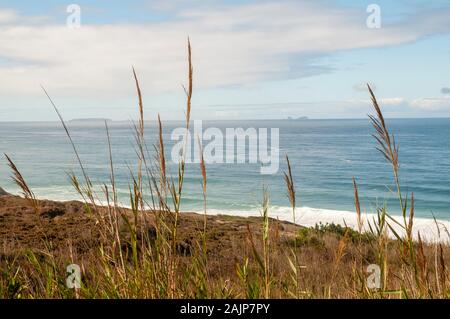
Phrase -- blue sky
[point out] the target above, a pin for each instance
(252, 59)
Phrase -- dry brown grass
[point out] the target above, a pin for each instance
(329, 259)
(152, 250)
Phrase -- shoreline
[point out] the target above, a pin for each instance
(310, 216)
(63, 233)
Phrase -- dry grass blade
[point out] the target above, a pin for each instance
(411, 218)
(443, 269)
(202, 165)
(203, 170)
(256, 254)
(291, 187)
(290, 183)
(141, 105)
(266, 243)
(138, 191)
(140, 137)
(422, 262)
(161, 155)
(111, 165)
(86, 178)
(341, 248)
(188, 91)
(357, 207)
(141, 252)
(338, 255)
(20, 181)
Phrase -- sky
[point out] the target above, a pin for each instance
(252, 59)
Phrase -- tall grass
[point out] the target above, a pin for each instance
(141, 254)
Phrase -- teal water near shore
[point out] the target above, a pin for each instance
(324, 154)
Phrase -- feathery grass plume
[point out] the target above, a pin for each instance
(409, 229)
(177, 192)
(181, 166)
(202, 165)
(386, 145)
(20, 181)
(140, 134)
(141, 105)
(294, 262)
(140, 144)
(389, 149)
(266, 244)
(111, 165)
(161, 157)
(203, 171)
(188, 91)
(357, 207)
(156, 267)
(290, 186)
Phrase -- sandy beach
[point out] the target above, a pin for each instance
(430, 230)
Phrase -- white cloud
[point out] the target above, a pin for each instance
(8, 16)
(393, 101)
(432, 103)
(428, 104)
(232, 45)
(383, 101)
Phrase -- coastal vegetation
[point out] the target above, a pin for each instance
(154, 250)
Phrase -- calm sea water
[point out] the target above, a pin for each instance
(325, 155)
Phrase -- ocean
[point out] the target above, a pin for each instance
(325, 155)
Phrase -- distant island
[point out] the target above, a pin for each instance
(301, 118)
(90, 120)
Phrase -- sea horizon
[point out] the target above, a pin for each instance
(325, 155)
(225, 151)
(226, 120)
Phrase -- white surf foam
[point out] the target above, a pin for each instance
(430, 231)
